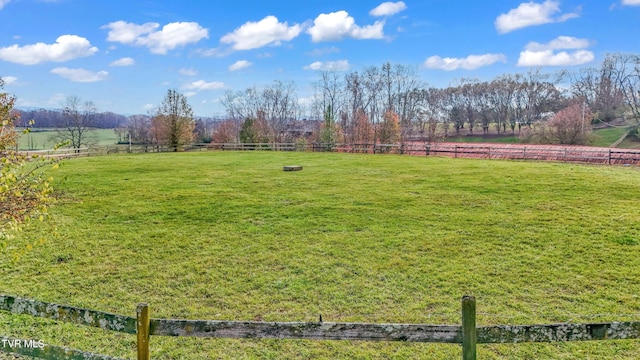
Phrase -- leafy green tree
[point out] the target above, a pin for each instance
(174, 124)
(25, 191)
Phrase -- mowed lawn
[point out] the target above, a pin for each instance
(355, 238)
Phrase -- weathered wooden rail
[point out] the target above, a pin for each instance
(467, 334)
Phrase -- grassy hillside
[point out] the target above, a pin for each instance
(356, 238)
(607, 136)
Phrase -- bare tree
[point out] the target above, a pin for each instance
(601, 88)
(78, 122)
(470, 101)
(139, 129)
(397, 82)
(273, 108)
(433, 114)
(500, 97)
(356, 116)
(242, 105)
(330, 89)
(628, 73)
(279, 104)
(454, 98)
(542, 94)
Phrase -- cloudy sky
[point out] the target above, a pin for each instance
(124, 55)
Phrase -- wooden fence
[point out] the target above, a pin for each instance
(143, 326)
(583, 154)
(458, 150)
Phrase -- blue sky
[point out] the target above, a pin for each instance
(124, 55)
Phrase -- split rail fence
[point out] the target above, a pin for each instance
(143, 326)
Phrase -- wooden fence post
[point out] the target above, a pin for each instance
(469, 337)
(143, 321)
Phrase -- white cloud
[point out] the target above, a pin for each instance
(536, 54)
(338, 25)
(171, 36)
(148, 107)
(128, 33)
(253, 35)
(471, 62)
(203, 85)
(561, 42)
(388, 8)
(624, 2)
(190, 93)
(8, 80)
(67, 47)
(238, 65)
(3, 3)
(530, 14)
(125, 61)
(188, 72)
(340, 65)
(80, 75)
(549, 58)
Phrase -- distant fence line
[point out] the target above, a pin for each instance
(467, 334)
(582, 154)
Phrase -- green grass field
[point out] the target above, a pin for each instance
(356, 238)
(606, 137)
(41, 139)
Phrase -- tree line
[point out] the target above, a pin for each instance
(384, 104)
(390, 104)
(57, 118)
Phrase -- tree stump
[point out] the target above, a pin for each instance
(292, 168)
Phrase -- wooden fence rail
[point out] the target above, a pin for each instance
(71, 314)
(308, 330)
(467, 334)
(456, 150)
